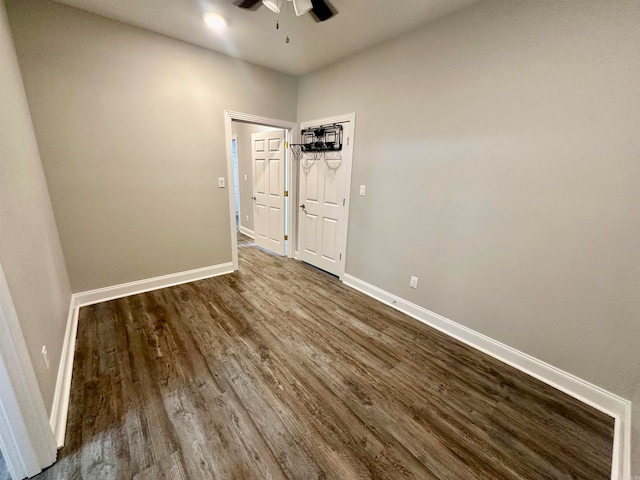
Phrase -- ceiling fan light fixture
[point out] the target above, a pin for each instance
(302, 6)
(273, 5)
(214, 21)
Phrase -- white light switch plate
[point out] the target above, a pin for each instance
(221, 183)
(363, 189)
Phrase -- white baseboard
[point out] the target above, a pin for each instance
(247, 232)
(140, 286)
(605, 401)
(60, 406)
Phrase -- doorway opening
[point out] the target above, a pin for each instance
(259, 204)
(244, 174)
(330, 242)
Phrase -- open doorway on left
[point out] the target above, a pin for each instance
(243, 181)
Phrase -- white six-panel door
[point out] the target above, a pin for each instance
(322, 200)
(267, 153)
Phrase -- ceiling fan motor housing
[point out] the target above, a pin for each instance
(320, 9)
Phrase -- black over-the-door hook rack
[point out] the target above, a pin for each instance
(326, 138)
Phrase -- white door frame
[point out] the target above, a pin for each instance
(26, 438)
(290, 128)
(234, 138)
(342, 241)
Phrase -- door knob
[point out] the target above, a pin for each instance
(253, 198)
(302, 206)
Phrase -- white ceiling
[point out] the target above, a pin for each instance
(252, 36)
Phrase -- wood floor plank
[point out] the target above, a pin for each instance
(279, 371)
(169, 468)
(364, 394)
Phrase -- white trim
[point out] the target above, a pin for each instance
(342, 241)
(622, 454)
(60, 406)
(592, 395)
(232, 181)
(140, 286)
(25, 436)
(248, 232)
(229, 117)
(621, 459)
(292, 200)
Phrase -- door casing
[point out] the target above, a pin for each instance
(292, 135)
(26, 437)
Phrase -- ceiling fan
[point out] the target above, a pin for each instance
(320, 9)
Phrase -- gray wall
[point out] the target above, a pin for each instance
(30, 251)
(243, 132)
(130, 126)
(499, 146)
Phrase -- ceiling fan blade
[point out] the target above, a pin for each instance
(246, 3)
(322, 10)
(302, 6)
(273, 5)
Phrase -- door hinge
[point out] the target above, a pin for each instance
(340, 256)
(347, 141)
(286, 193)
(286, 237)
(343, 200)
(286, 145)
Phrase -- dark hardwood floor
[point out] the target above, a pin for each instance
(280, 371)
